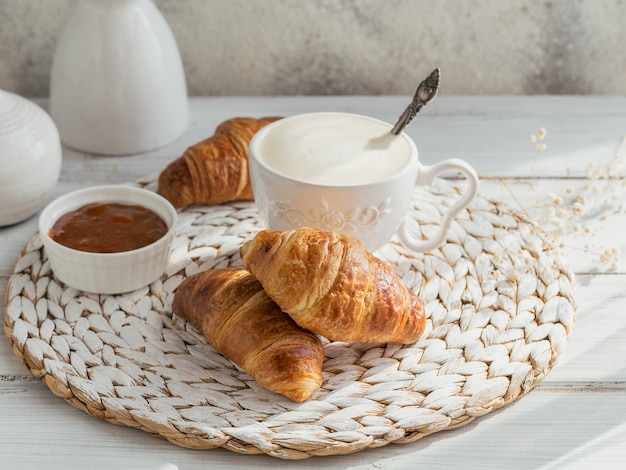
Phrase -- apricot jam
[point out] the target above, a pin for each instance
(108, 228)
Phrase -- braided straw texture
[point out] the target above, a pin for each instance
(499, 301)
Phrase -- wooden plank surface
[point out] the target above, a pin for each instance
(573, 419)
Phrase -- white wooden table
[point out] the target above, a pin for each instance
(574, 418)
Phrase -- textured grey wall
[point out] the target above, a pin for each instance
(324, 47)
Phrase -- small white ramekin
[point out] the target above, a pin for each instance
(108, 273)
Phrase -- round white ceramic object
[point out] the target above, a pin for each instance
(30, 158)
(108, 273)
(117, 83)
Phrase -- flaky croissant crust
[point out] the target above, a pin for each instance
(237, 318)
(328, 283)
(214, 170)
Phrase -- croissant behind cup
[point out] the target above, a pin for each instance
(214, 170)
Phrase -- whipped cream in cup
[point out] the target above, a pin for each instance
(345, 172)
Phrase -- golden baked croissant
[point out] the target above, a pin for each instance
(214, 170)
(330, 284)
(237, 318)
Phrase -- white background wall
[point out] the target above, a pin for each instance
(369, 47)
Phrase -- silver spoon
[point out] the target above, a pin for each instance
(425, 93)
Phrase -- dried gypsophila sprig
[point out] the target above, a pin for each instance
(536, 143)
(608, 180)
(562, 217)
(537, 140)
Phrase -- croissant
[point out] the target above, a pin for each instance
(237, 318)
(214, 170)
(330, 284)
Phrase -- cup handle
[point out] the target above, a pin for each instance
(425, 177)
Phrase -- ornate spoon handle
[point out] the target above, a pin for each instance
(425, 93)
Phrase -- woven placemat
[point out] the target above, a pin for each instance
(499, 301)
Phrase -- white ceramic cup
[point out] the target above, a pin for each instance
(346, 173)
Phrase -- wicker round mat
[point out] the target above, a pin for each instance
(499, 300)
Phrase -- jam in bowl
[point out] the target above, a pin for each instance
(108, 239)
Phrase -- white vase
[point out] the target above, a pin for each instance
(117, 84)
(30, 158)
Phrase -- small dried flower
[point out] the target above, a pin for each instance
(556, 222)
(580, 199)
(557, 217)
(577, 209)
(554, 199)
(541, 134)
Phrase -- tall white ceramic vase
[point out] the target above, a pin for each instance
(30, 158)
(117, 84)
